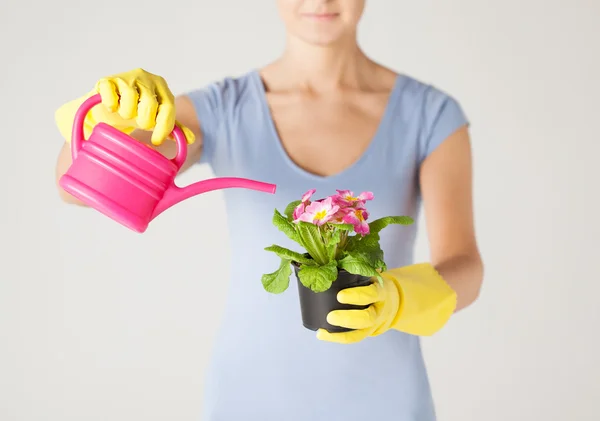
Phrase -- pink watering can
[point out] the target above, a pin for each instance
(127, 180)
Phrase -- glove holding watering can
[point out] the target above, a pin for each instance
(119, 175)
(131, 100)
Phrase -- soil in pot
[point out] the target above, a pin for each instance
(316, 305)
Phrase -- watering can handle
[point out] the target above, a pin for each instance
(77, 136)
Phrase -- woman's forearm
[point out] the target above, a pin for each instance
(62, 165)
(464, 273)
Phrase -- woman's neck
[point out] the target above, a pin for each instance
(324, 68)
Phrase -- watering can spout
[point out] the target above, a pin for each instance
(175, 194)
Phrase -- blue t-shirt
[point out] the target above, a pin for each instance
(265, 365)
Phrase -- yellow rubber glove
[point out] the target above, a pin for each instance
(132, 100)
(413, 299)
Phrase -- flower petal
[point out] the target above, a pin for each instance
(351, 218)
(298, 210)
(366, 195)
(362, 228)
(307, 217)
(306, 196)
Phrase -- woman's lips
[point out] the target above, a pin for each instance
(321, 16)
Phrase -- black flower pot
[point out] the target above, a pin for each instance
(316, 305)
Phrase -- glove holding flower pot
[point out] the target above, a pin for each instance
(342, 251)
(346, 291)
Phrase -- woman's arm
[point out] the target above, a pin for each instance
(446, 186)
(420, 298)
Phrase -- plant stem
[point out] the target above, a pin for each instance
(341, 245)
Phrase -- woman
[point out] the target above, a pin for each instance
(321, 116)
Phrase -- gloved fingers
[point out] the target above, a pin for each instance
(128, 98)
(146, 108)
(353, 319)
(109, 93)
(361, 296)
(351, 337)
(189, 135)
(163, 93)
(145, 97)
(165, 118)
(165, 122)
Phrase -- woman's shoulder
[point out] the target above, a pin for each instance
(417, 91)
(227, 91)
(432, 110)
(422, 103)
(235, 86)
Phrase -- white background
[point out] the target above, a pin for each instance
(100, 323)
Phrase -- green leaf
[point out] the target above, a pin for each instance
(278, 281)
(379, 224)
(358, 265)
(318, 278)
(289, 210)
(369, 248)
(373, 256)
(285, 226)
(363, 244)
(310, 235)
(290, 255)
(358, 242)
